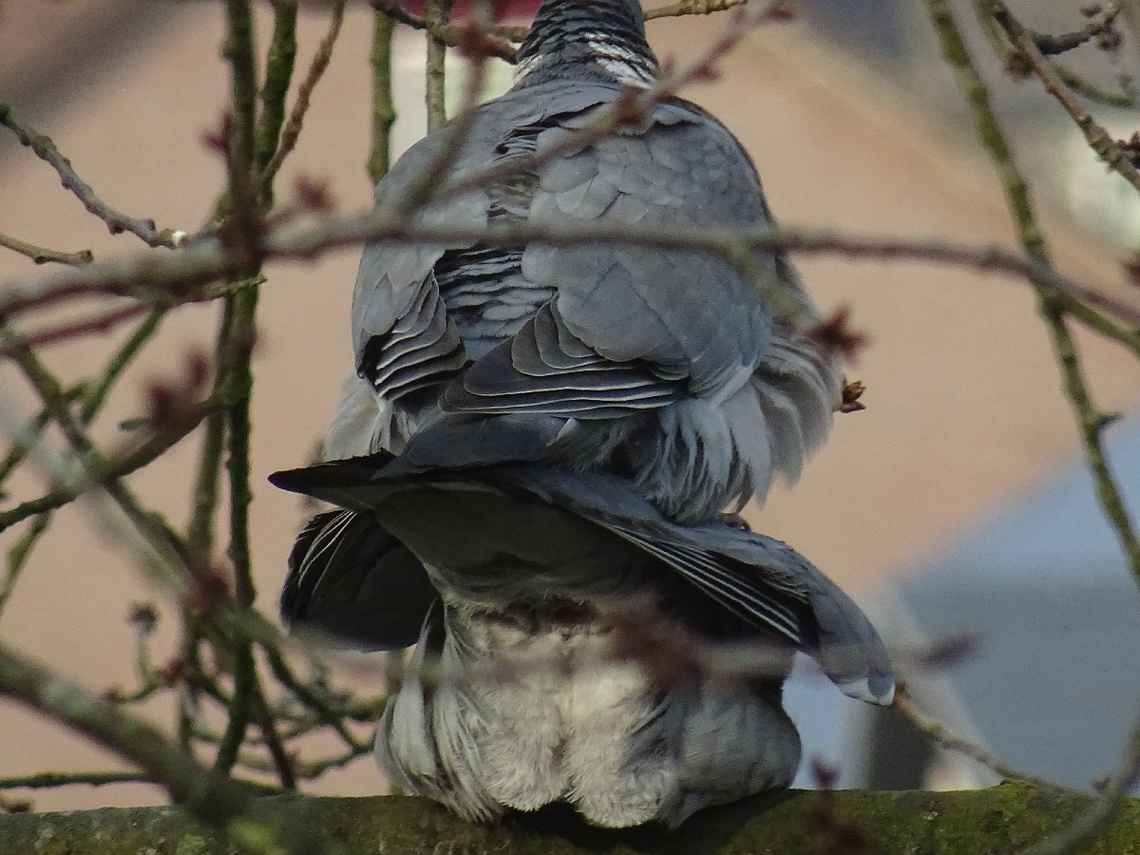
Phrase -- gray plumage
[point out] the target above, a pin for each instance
(665, 366)
(532, 567)
(569, 422)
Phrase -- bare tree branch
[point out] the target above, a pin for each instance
(116, 221)
(1090, 422)
(41, 255)
(1098, 138)
(1097, 23)
(292, 129)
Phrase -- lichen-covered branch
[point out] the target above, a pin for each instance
(43, 255)
(383, 103)
(279, 64)
(436, 14)
(292, 128)
(1000, 819)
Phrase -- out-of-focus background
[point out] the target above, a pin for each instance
(954, 504)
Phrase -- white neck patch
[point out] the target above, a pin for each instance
(627, 67)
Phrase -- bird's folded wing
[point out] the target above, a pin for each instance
(546, 369)
(422, 347)
(761, 580)
(663, 305)
(758, 578)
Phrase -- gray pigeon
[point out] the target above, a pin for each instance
(667, 367)
(543, 697)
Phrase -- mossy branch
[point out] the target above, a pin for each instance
(1000, 819)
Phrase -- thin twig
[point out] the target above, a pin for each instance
(1099, 816)
(145, 276)
(1090, 421)
(96, 395)
(628, 109)
(19, 450)
(116, 221)
(307, 695)
(42, 255)
(98, 324)
(1098, 138)
(215, 800)
(1097, 23)
(383, 104)
(1085, 89)
(18, 557)
(427, 183)
(279, 63)
(692, 7)
(49, 780)
(149, 526)
(282, 762)
(450, 34)
(115, 468)
(92, 399)
(948, 739)
(238, 51)
(435, 15)
(292, 129)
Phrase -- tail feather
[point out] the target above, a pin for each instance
(353, 582)
(761, 580)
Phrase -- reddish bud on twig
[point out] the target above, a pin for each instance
(664, 651)
(706, 74)
(852, 392)
(1132, 269)
(825, 775)
(171, 405)
(217, 140)
(1131, 148)
(836, 335)
(626, 107)
(313, 194)
(838, 834)
(1017, 65)
(472, 40)
(174, 672)
(1109, 39)
(209, 587)
(143, 615)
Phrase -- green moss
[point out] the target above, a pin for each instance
(999, 820)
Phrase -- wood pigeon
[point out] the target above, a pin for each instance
(537, 449)
(532, 575)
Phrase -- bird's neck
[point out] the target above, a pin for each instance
(604, 36)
